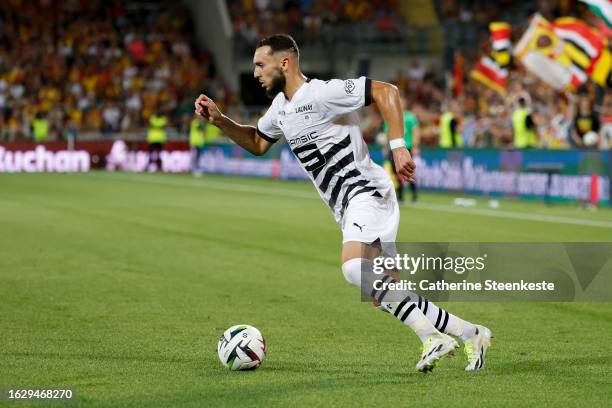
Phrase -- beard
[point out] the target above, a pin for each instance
(277, 85)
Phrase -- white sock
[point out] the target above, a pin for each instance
(406, 311)
(446, 322)
(441, 319)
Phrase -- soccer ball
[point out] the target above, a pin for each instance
(241, 347)
(590, 138)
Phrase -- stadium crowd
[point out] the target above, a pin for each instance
(96, 66)
(315, 21)
(484, 118)
(112, 66)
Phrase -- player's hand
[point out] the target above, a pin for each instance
(404, 165)
(207, 108)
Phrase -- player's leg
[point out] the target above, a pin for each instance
(366, 220)
(382, 220)
(476, 338)
(413, 190)
(196, 153)
(160, 148)
(446, 322)
(358, 269)
(154, 157)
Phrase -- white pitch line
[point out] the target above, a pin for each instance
(514, 215)
(244, 188)
(215, 185)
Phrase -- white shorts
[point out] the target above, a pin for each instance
(368, 219)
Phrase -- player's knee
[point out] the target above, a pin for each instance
(352, 268)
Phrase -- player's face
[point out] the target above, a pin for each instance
(268, 71)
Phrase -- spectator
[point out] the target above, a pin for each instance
(562, 119)
(586, 121)
(523, 125)
(90, 64)
(450, 128)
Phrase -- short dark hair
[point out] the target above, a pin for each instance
(280, 42)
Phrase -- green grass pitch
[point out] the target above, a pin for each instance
(119, 285)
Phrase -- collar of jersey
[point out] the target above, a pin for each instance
(296, 92)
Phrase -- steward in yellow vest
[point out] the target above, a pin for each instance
(196, 133)
(449, 132)
(196, 142)
(211, 133)
(156, 132)
(156, 137)
(40, 128)
(523, 126)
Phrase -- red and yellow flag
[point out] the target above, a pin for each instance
(565, 53)
(547, 56)
(492, 70)
(587, 47)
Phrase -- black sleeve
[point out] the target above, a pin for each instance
(266, 137)
(453, 125)
(368, 92)
(529, 122)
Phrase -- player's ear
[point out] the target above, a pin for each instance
(285, 63)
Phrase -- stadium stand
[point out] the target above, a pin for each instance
(99, 69)
(96, 66)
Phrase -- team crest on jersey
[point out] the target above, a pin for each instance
(349, 86)
(307, 119)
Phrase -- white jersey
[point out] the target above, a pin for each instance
(323, 132)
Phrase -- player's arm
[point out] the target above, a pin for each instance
(416, 139)
(387, 98)
(244, 135)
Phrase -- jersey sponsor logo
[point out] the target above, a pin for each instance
(304, 108)
(300, 140)
(281, 113)
(349, 86)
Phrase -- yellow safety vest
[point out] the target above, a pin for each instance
(156, 132)
(523, 137)
(446, 136)
(196, 133)
(41, 129)
(211, 133)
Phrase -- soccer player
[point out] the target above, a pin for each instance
(412, 137)
(318, 120)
